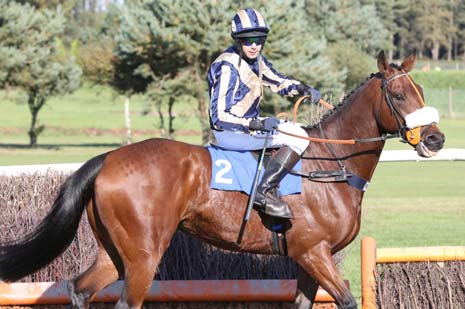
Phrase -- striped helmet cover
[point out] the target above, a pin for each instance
(247, 23)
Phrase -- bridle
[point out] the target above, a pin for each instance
(406, 134)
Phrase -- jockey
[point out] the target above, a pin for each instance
(236, 79)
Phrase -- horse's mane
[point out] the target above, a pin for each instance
(343, 102)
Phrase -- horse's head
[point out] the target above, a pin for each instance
(403, 109)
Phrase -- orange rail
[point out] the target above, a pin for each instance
(370, 256)
(162, 291)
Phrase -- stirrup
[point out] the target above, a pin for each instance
(280, 209)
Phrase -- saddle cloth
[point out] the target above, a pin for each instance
(235, 171)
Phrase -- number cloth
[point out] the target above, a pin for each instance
(235, 171)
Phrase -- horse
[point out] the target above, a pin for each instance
(139, 195)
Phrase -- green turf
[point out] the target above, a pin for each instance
(82, 125)
(91, 107)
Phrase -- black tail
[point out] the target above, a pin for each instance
(56, 232)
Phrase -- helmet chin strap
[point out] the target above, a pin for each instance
(238, 45)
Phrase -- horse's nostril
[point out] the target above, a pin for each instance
(432, 138)
(434, 141)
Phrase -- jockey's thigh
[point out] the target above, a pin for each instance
(297, 144)
(238, 140)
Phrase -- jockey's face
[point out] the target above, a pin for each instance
(252, 46)
(251, 51)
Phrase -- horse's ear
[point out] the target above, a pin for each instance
(383, 63)
(409, 62)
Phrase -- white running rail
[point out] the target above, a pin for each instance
(448, 154)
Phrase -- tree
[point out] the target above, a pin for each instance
(29, 59)
(66, 5)
(348, 21)
(298, 50)
(100, 65)
(459, 23)
(392, 15)
(354, 33)
(430, 23)
(162, 44)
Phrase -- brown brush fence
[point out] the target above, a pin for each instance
(26, 199)
(421, 285)
(415, 277)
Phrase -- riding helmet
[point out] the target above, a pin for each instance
(248, 23)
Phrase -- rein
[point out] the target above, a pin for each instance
(354, 141)
(397, 115)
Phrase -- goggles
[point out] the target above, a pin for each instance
(258, 40)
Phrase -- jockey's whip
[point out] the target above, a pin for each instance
(254, 189)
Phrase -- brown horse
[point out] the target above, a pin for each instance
(138, 196)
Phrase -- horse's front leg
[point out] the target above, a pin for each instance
(319, 264)
(307, 288)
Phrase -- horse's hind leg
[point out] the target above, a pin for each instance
(138, 280)
(141, 233)
(141, 261)
(102, 272)
(84, 287)
(319, 264)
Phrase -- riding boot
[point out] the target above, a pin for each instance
(266, 198)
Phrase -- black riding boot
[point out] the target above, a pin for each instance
(266, 199)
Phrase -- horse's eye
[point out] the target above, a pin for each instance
(398, 96)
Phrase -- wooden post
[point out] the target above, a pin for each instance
(450, 108)
(368, 260)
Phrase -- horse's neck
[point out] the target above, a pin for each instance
(354, 119)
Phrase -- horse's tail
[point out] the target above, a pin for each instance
(56, 232)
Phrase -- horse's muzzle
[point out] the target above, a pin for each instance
(432, 140)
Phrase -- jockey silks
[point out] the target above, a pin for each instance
(236, 89)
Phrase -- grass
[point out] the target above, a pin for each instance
(407, 204)
(89, 107)
(80, 126)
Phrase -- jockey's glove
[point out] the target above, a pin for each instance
(268, 124)
(314, 94)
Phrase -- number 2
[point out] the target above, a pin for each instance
(225, 167)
